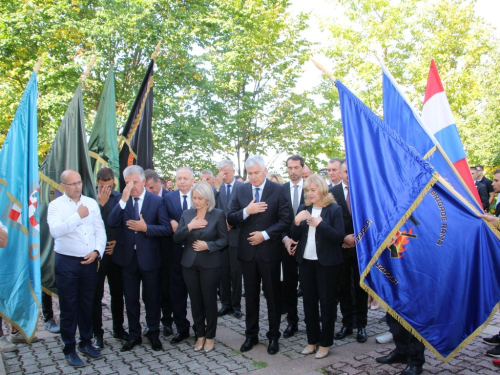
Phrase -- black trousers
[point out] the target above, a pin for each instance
(133, 275)
(290, 284)
(47, 311)
(406, 344)
(269, 272)
(76, 285)
(166, 296)
(349, 274)
(230, 283)
(202, 288)
(318, 283)
(179, 296)
(115, 281)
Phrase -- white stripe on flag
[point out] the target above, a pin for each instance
(437, 113)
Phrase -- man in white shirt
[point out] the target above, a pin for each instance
(79, 240)
(334, 173)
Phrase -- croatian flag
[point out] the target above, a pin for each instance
(437, 115)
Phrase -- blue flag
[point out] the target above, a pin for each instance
(423, 252)
(20, 284)
(400, 115)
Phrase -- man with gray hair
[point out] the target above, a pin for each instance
(261, 210)
(333, 169)
(208, 176)
(230, 284)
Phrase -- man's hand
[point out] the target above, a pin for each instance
(126, 191)
(255, 208)
(229, 227)
(4, 238)
(200, 245)
(197, 224)
(174, 225)
(90, 258)
(301, 216)
(290, 245)
(218, 181)
(255, 238)
(348, 241)
(103, 193)
(110, 247)
(492, 219)
(82, 211)
(137, 225)
(314, 221)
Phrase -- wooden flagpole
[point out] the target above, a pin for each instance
(89, 68)
(323, 69)
(38, 65)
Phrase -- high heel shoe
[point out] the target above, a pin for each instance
(198, 348)
(209, 345)
(322, 354)
(308, 351)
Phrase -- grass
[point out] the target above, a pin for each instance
(260, 365)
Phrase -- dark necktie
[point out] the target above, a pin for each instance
(348, 200)
(295, 202)
(257, 198)
(228, 192)
(136, 208)
(184, 203)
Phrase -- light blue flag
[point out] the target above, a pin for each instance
(423, 252)
(20, 283)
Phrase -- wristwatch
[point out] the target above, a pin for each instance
(98, 255)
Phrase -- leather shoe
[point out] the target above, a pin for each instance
(392, 357)
(361, 337)
(121, 334)
(155, 343)
(98, 341)
(74, 360)
(343, 333)
(238, 314)
(225, 310)
(167, 331)
(179, 337)
(129, 345)
(290, 330)
(248, 344)
(412, 370)
(90, 352)
(273, 346)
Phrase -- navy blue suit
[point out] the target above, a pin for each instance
(166, 298)
(178, 289)
(139, 253)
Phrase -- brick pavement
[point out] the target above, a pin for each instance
(346, 356)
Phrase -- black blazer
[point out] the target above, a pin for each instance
(222, 204)
(275, 220)
(148, 243)
(214, 234)
(290, 200)
(329, 236)
(174, 210)
(338, 193)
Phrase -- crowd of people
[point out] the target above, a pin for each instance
(218, 236)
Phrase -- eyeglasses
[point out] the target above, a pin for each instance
(73, 184)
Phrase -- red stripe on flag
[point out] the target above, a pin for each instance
(14, 215)
(33, 221)
(463, 169)
(434, 84)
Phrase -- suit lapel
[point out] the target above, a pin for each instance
(145, 204)
(268, 189)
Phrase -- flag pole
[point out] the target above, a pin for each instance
(38, 65)
(323, 69)
(89, 67)
(157, 49)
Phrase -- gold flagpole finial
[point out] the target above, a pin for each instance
(89, 68)
(156, 51)
(38, 65)
(323, 69)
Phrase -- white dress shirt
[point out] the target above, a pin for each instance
(73, 235)
(140, 201)
(245, 215)
(188, 199)
(310, 250)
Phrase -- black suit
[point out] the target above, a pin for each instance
(290, 269)
(349, 272)
(230, 283)
(261, 262)
(166, 298)
(319, 277)
(483, 194)
(139, 253)
(202, 269)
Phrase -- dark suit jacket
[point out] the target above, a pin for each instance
(497, 210)
(172, 202)
(483, 194)
(290, 199)
(214, 234)
(111, 233)
(223, 205)
(338, 193)
(148, 243)
(329, 236)
(275, 220)
(164, 192)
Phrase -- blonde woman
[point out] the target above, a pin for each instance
(275, 177)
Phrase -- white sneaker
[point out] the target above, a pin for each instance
(6, 346)
(52, 326)
(17, 338)
(385, 338)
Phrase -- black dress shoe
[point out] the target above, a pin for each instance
(238, 314)
(290, 330)
(273, 346)
(98, 341)
(225, 310)
(155, 343)
(167, 331)
(248, 344)
(121, 334)
(343, 333)
(412, 370)
(361, 337)
(179, 337)
(129, 345)
(392, 357)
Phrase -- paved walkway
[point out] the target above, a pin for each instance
(346, 356)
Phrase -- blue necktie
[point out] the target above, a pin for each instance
(257, 198)
(228, 193)
(184, 203)
(136, 208)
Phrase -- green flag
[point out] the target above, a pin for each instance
(103, 142)
(68, 151)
